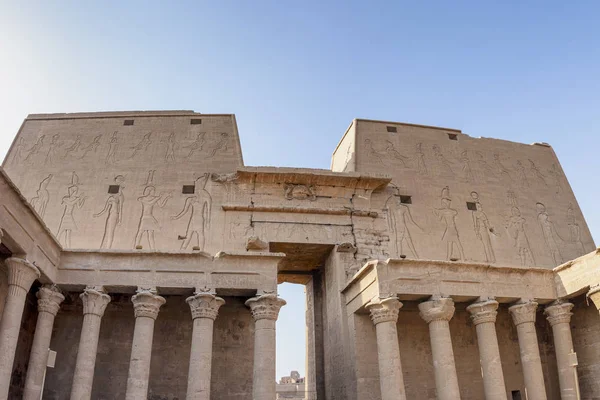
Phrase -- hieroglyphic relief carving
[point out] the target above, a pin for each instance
(483, 228)
(199, 205)
(40, 201)
(420, 157)
(17, 157)
(466, 166)
(220, 145)
(556, 177)
(67, 222)
(511, 198)
(515, 225)
(382, 154)
(443, 165)
(197, 145)
(537, 173)
(114, 208)
(111, 155)
(450, 236)
(92, 147)
(300, 192)
(551, 236)
(502, 171)
(53, 150)
(148, 224)
(399, 217)
(170, 151)
(142, 145)
(521, 175)
(484, 167)
(73, 147)
(35, 149)
(574, 229)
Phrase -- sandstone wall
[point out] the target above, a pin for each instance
(232, 350)
(585, 325)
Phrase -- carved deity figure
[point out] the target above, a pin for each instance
(18, 151)
(40, 201)
(114, 209)
(483, 166)
(466, 166)
(483, 228)
(574, 229)
(382, 154)
(420, 156)
(53, 150)
(170, 153)
(399, 218)
(92, 147)
(220, 145)
(35, 149)
(142, 144)
(537, 173)
(516, 229)
(111, 155)
(197, 145)
(450, 236)
(551, 236)
(500, 168)
(148, 224)
(521, 174)
(199, 207)
(444, 167)
(73, 148)
(67, 222)
(556, 177)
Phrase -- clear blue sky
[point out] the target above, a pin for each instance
(296, 73)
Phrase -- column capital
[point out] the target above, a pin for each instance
(523, 312)
(437, 309)
(21, 272)
(266, 306)
(384, 310)
(559, 312)
(594, 294)
(94, 300)
(146, 303)
(204, 305)
(49, 299)
(483, 311)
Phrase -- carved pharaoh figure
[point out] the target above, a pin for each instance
(114, 209)
(537, 173)
(53, 150)
(73, 148)
(111, 155)
(420, 156)
(199, 206)
(516, 229)
(35, 149)
(142, 144)
(551, 236)
(40, 202)
(92, 147)
(482, 227)
(500, 168)
(450, 236)
(220, 145)
(556, 177)
(574, 229)
(170, 152)
(399, 218)
(466, 166)
(67, 222)
(148, 224)
(197, 145)
(444, 167)
(521, 174)
(17, 157)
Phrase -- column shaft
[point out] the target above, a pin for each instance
(524, 318)
(21, 274)
(94, 304)
(146, 304)
(49, 300)
(483, 314)
(559, 316)
(437, 313)
(204, 307)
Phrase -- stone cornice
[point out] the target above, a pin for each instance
(49, 299)
(384, 310)
(299, 210)
(204, 305)
(559, 312)
(94, 300)
(21, 273)
(441, 309)
(266, 306)
(523, 312)
(146, 303)
(483, 311)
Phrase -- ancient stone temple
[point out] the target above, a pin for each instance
(139, 248)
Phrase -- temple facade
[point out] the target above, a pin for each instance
(145, 255)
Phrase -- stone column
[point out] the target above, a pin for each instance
(523, 315)
(265, 310)
(49, 299)
(205, 308)
(437, 312)
(21, 274)
(94, 303)
(384, 314)
(146, 304)
(483, 314)
(559, 315)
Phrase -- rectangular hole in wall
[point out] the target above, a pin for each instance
(452, 136)
(195, 121)
(516, 394)
(405, 199)
(392, 129)
(472, 206)
(188, 189)
(113, 189)
(128, 122)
